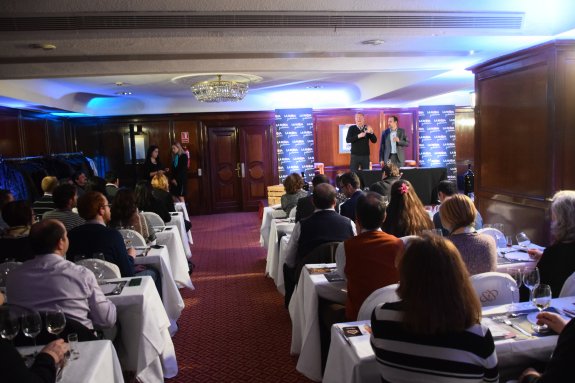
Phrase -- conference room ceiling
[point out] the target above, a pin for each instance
(308, 53)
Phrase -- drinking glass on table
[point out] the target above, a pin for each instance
(541, 298)
(9, 323)
(129, 237)
(55, 321)
(531, 280)
(31, 325)
(523, 240)
(517, 276)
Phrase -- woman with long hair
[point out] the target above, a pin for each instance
(405, 213)
(146, 201)
(125, 214)
(478, 251)
(152, 164)
(179, 172)
(293, 185)
(433, 334)
(557, 262)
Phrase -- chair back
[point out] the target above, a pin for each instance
(153, 218)
(5, 268)
(132, 238)
(292, 212)
(381, 295)
(324, 253)
(494, 288)
(497, 235)
(110, 270)
(568, 289)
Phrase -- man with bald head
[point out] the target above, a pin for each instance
(49, 281)
(324, 225)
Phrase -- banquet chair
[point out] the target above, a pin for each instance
(5, 268)
(568, 289)
(381, 295)
(495, 288)
(153, 218)
(110, 270)
(135, 240)
(324, 253)
(292, 212)
(498, 236)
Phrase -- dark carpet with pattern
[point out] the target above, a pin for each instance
(234, 327)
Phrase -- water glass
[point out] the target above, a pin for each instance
(31, 325)
(541, 298)
(73, 343)
(9, 323)
(517, 276)
(509, 240)
(523, 239)
(55, 321)
(531, 280)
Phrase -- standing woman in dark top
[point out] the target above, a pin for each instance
(557, 262)
(179, 172)
(152, 164)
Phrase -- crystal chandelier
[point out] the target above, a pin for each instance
(219, 90)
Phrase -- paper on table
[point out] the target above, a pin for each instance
(497, 331)
(113, 288)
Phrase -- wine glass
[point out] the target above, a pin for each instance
(31, 325)
(531, 280)
(9, 324)
(517, 275)
(541, 298)
(129, 237)
(55, 321)
(523, 240)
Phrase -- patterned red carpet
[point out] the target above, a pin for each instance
(234, 327)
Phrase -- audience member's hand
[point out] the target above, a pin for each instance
(554, 321)
(535, 254)
(529, 371)
(56, 349)
(132, 252)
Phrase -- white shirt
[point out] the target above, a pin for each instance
(291, 249)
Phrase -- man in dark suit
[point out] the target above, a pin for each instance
(393, 143)
(112, 184)
(305, 206)
(350, 187)
(359, 136)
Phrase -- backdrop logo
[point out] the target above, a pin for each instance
(296, 141)
(437, 138)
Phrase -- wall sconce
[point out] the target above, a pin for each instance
(135, 144)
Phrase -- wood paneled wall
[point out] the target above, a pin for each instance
(525, 136)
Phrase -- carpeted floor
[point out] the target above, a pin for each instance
(234, 327)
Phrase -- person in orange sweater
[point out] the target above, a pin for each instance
(368, 260)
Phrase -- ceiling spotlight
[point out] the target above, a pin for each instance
(46, 47)
(373, 42)
(123, 93)
(314, 87)
(120, 83)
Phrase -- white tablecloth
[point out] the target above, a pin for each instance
(178, 222)
(97, 363)
(269, 214)
(303, 309)
(171, 298)
(356, 363)
(178, 261)
(145, 345)
(181, 207)
(280, 283)
(503, 265)
(278, 228)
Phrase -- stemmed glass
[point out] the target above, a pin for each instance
(9, 324)
(31, 325)
(531, 280)
(517, 275)
(55, 321)
(523, 240)
(129, 237)
(96, 267)
(541, 298)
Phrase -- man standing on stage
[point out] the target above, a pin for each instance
(358, 136)
(393, 142)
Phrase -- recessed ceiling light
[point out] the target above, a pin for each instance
(314, 87)
(46, 47)
(121, 83)
(471, 52)
(373, 42)
(123, 93)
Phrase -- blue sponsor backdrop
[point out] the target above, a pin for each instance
(294, 136)
(437, 138)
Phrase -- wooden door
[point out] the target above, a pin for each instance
(255, 161)
(225, 170)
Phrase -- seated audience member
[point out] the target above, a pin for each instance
(65, 200)
(559, 368)
(368, 260)
(160, 191)
(323, 226)
(305, 206)
(5, 197)
(49, 280)
(46, 362)
(434, 333)
(146, 202)
(293, 185)
(97, 184)
(478, 251)
(350, 187)
(557, 262)
(45, 203)
(15, 241)
(112, 184)
(80, 181)
(405, 213)
(447, 189)
(125, 214)
(95, 237)
(390, 173)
